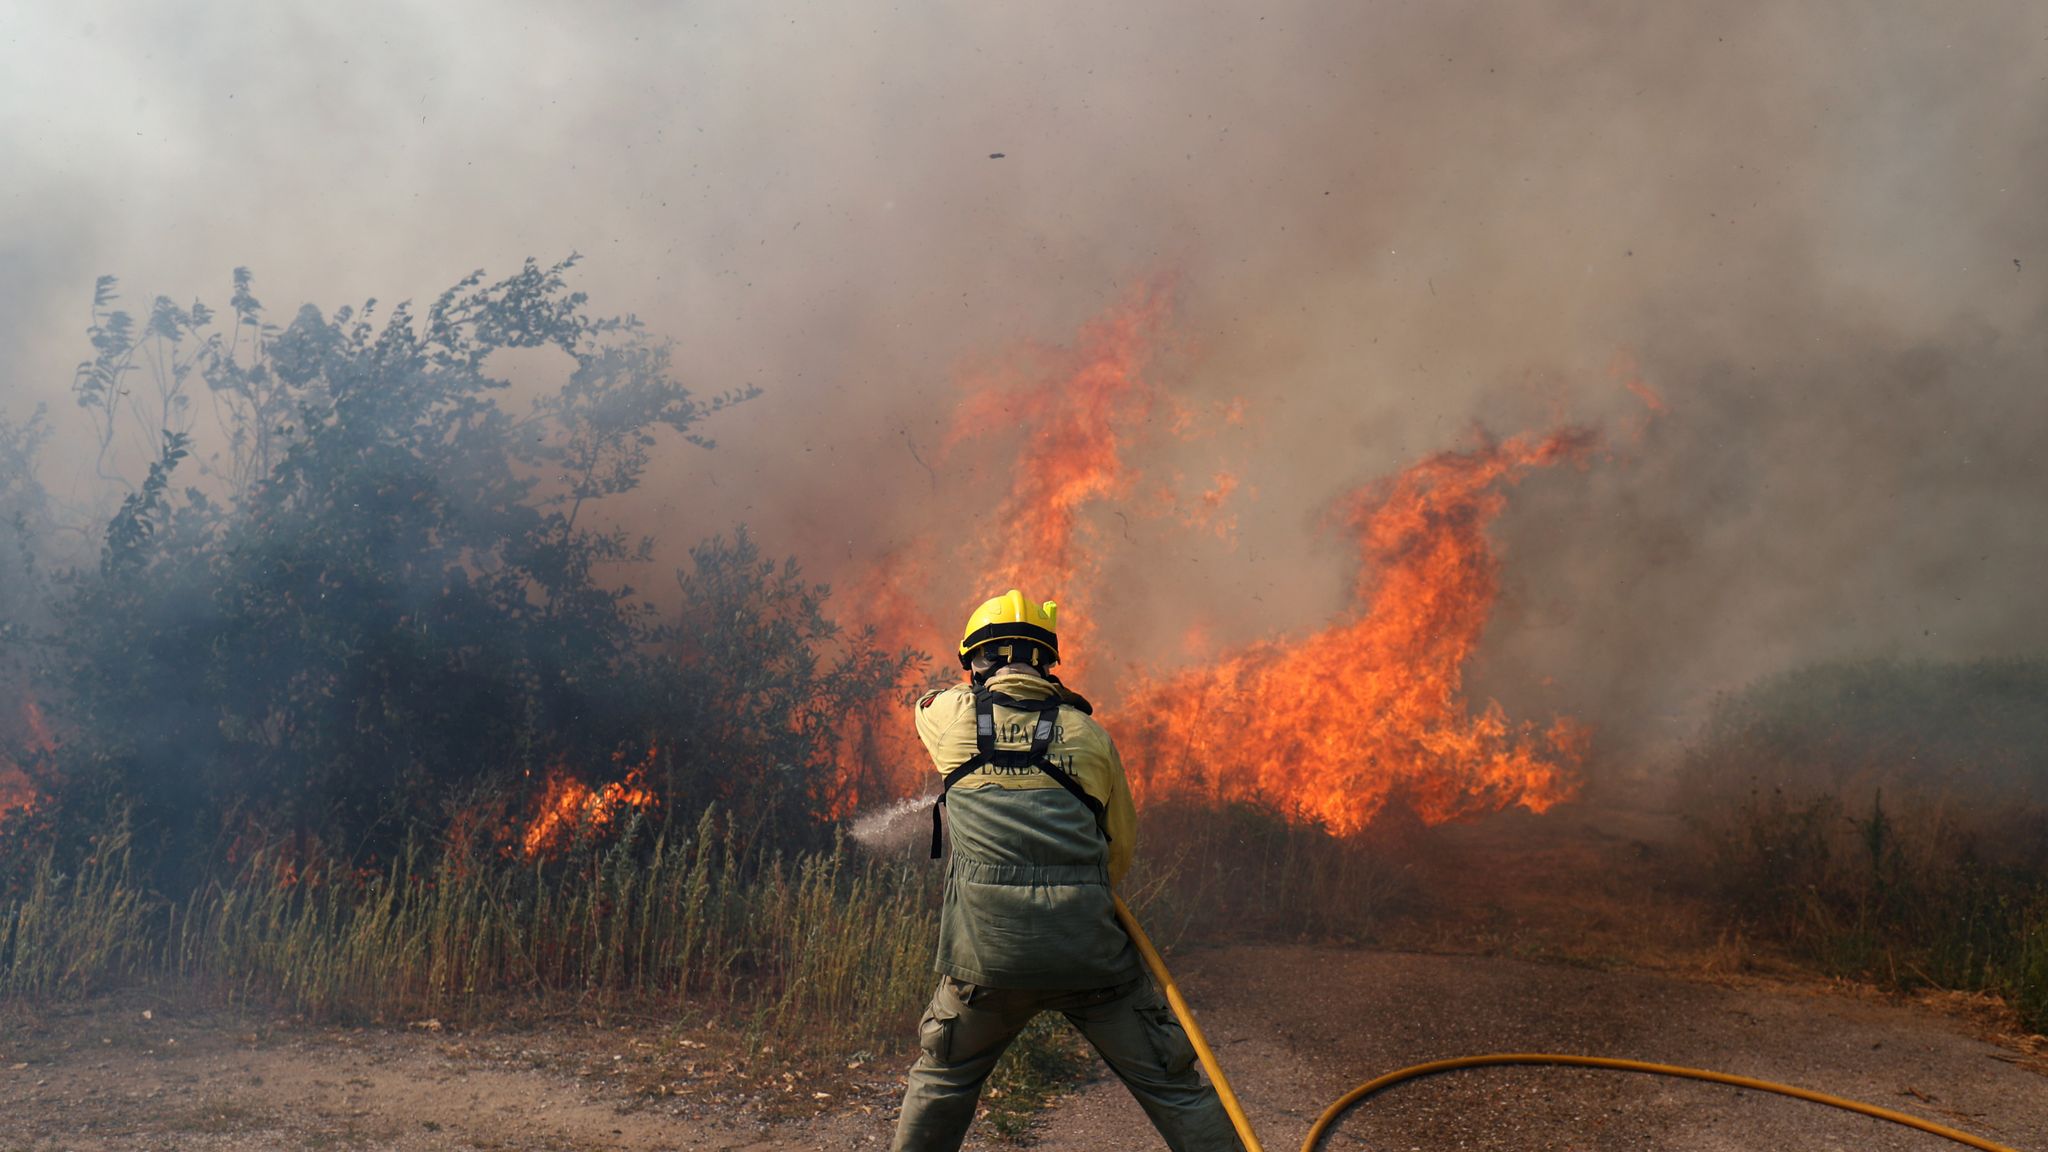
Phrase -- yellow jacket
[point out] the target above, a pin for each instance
(945, 722)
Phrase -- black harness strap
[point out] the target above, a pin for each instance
(987, 754)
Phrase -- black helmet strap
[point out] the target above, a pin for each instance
(1008, 630)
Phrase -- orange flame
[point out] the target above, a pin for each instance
(17, 793)
(1338, 724)
(1334, 726)
(1076, 424)
(568, 806)
(1206, 514)
(1075, 417)
(876, 755)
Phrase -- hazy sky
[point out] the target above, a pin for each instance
(1817, 230)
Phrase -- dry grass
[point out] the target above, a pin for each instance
(1886, 822)
(825, 952)
(827, 946)
(1911, 892)
(71, 932)
(1242, 871)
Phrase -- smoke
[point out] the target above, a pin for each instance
(1815, 233)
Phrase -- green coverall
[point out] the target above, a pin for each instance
(1028, 926)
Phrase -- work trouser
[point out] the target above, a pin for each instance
(967, 1027)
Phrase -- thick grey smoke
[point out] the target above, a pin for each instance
(1815, 232)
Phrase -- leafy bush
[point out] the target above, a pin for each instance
(388, 591)
(24, 515)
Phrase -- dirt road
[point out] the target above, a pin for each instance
(1296, 1027)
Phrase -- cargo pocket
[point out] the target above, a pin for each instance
(935, 1032)
(1169, 1040)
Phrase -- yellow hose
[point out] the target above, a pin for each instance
(1187, 1021)
(1330, 1116)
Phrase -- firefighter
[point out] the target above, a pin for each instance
(1042, 827)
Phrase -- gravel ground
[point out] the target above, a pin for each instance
(1295, 1026)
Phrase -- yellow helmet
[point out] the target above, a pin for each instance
(1011, 617)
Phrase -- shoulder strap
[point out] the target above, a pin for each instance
(1036, 756)
(1067, 781)
(984, 753)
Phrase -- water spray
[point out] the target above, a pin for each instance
(1328, 1120)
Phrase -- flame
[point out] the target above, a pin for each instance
(1075, 412)
(17, 792)
(40, 739)
(569, 806)
(1625, 369)
(876, 755)
(1076, 422)
(1333, 726)
(1336, 725)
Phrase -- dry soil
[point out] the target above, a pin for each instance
(1295, 1027)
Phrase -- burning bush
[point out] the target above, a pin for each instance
(391, 593)
(22, 520)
